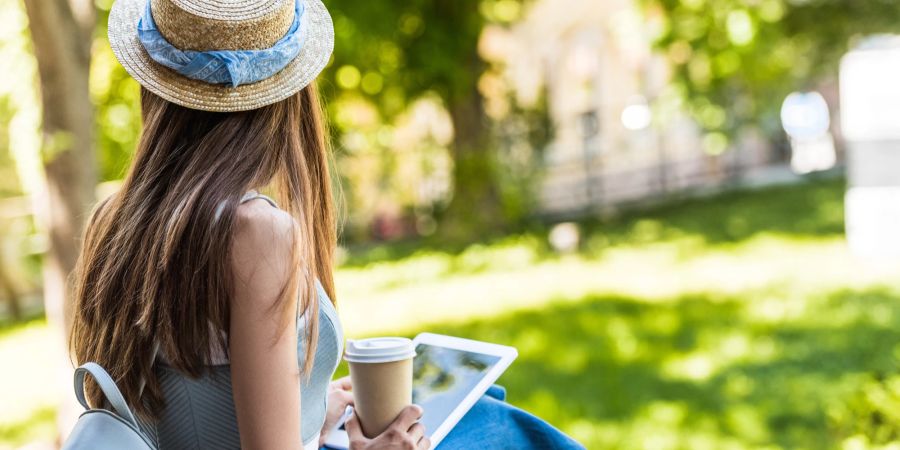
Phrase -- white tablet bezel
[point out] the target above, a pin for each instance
(338, 438)
(506, 354)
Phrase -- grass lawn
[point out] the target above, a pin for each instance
(739, 321)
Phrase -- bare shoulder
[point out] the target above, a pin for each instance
(258, 221)
(263, 241)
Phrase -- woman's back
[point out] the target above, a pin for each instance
(200, 413)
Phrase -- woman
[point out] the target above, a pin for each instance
(209, 303)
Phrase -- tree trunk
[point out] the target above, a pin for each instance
(12, 295)
(61, 31)
(475, 206)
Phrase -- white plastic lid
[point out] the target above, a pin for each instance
(379, 350)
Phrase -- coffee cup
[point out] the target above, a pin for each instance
(381, 370)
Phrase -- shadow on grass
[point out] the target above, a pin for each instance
(611, 370)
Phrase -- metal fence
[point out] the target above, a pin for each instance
(590, 186)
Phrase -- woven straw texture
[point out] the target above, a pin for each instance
(230, 29)
(258, 26)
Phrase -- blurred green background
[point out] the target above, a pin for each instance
(668, 281)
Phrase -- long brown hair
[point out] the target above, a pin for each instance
(155, 264)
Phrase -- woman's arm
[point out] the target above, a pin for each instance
(265, 374)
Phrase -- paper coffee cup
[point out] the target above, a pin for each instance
(381, 370)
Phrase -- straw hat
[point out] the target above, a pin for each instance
(205, 25)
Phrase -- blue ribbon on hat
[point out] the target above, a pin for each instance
(230, 67)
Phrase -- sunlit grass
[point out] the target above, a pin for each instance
(735, 322)
(787, 266)
(607, 370)
(29, 384)
(36, 424)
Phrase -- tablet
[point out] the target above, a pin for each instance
(450, 374)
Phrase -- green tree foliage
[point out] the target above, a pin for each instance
(116, 97)
(389, 54)
(734, 61)
(9, 179)
(401, 50)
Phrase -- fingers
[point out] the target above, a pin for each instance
(342, 383)
(424, 444)
(344, 397)
(322, 439)
(337, 407)
(417, 432)
(408, 417)
(354, 430)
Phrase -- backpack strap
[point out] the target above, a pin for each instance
(253, 195)
(109, 388)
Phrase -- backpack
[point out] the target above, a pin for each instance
(101, 429)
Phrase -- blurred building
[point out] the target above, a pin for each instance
(620, 136)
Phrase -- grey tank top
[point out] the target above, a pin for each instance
(199, 413)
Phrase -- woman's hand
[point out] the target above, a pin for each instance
(404, 434)
(339, 396)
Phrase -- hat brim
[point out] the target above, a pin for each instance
(190, 93)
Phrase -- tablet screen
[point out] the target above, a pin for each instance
(442, 377)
